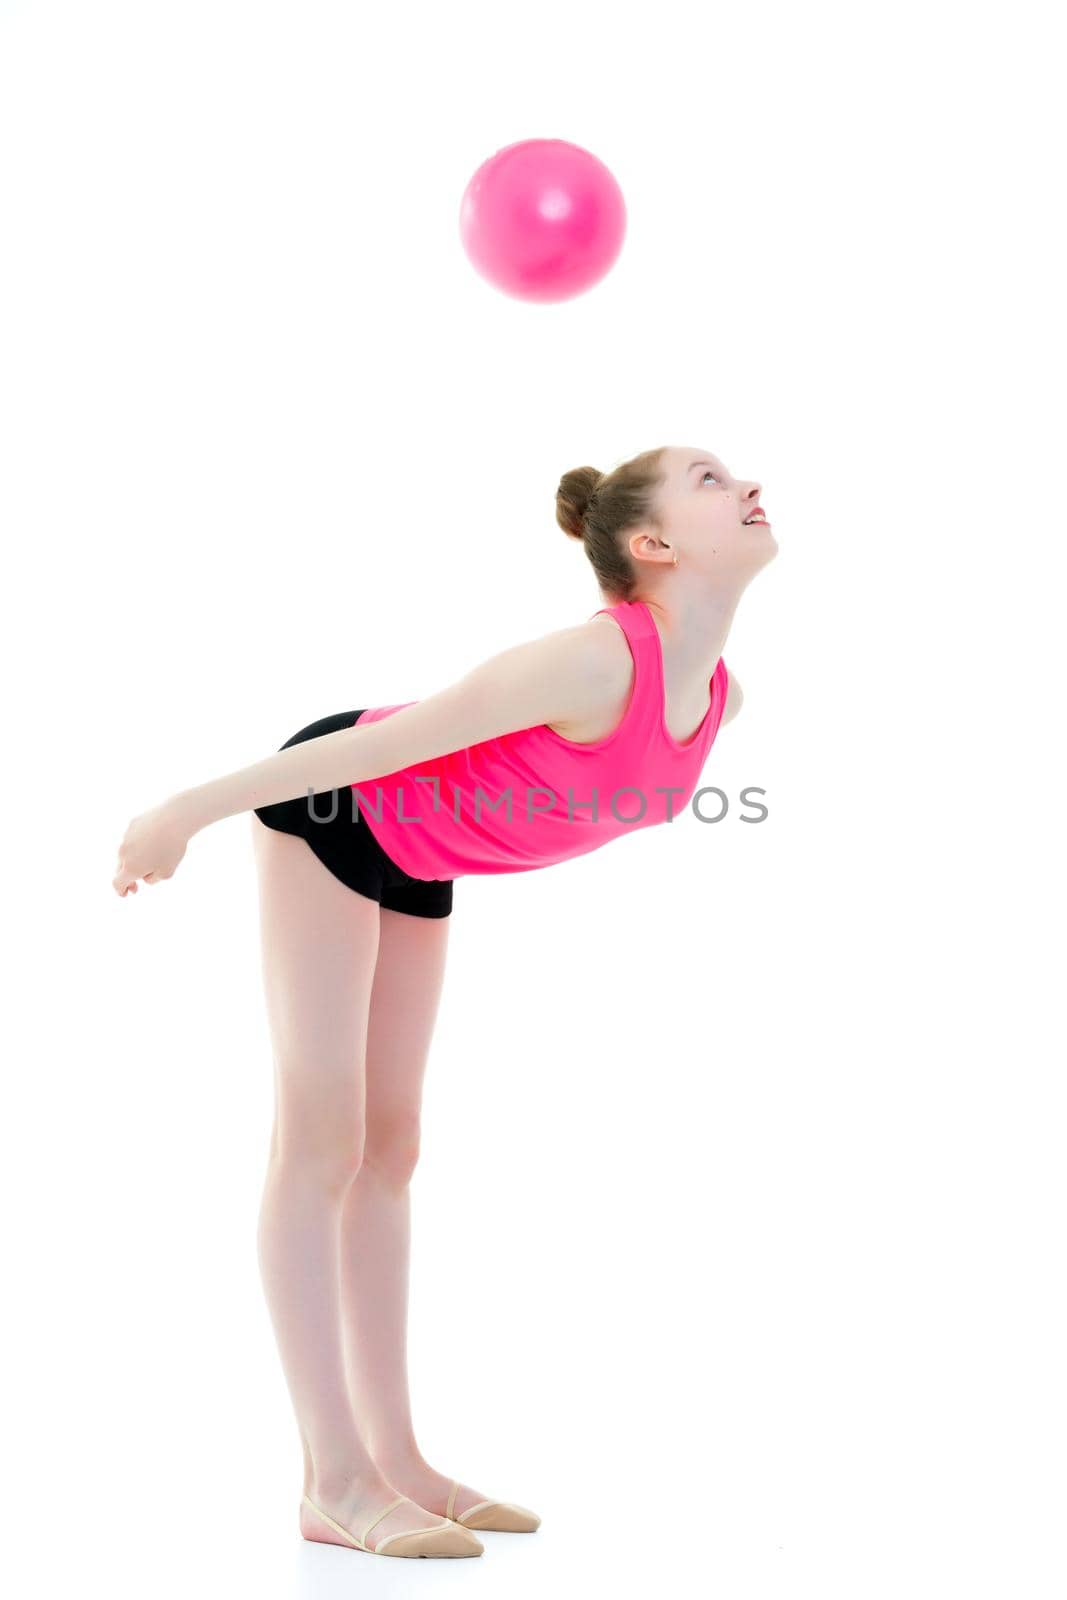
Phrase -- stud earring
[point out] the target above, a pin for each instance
(676, 558)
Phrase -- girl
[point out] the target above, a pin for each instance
(544, 751)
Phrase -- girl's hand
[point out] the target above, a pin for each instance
(153, 845)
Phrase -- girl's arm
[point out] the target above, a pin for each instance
(570, 674)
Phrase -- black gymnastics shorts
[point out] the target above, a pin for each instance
(345, 844)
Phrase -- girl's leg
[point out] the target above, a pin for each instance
(376, 1221)
(319, 945)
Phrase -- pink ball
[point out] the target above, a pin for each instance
(542, 219)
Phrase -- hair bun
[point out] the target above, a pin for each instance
(576, 490)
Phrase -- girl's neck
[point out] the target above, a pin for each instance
(693, 629)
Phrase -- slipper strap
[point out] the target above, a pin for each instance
(399, 1501)
(481, 1506)
(336, 1526)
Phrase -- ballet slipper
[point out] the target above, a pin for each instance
(446, 1538)
(497, 1516)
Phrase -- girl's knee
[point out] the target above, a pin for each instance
(391, 1146)
(329, 1149)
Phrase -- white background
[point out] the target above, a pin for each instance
(749, 1140)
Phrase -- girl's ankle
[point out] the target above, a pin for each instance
(405, 1458)
(338, 1483)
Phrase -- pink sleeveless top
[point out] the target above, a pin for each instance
(530, 798)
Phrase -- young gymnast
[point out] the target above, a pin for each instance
(544, 751)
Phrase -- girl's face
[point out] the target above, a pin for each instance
(711, 520)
